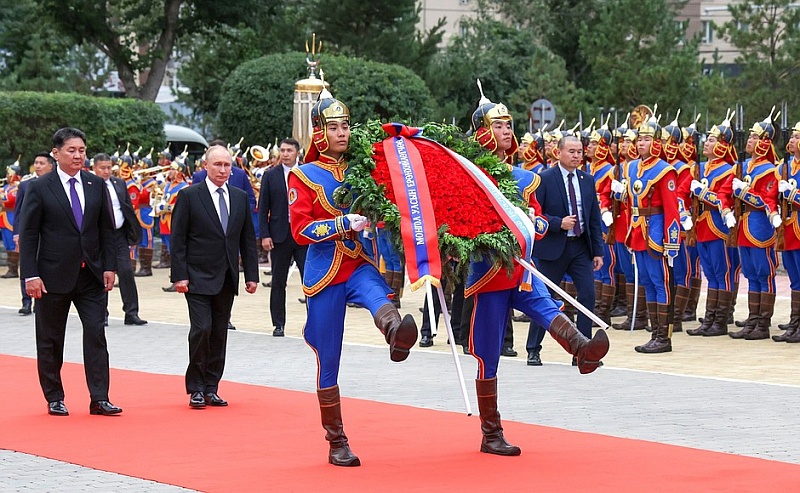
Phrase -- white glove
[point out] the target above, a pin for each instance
(687, 223)
(357, 222)
(738, 184)
(784, 186)
(730, 220)
(608, 218)
(617, 187)
(776, 221)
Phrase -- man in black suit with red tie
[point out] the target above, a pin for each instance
(276, 235)
(67, 252)
(574, 241)
(127, 232)
(211, 225)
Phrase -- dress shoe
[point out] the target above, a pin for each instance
(26, 308)
(212, 399)
(534, 359)
(170, 289)
(278, 332)
(508, 351)
(103, 408)
(426, 341)
(267, 284)
(57, 408)
(521, 318)
(230, 326)
(197, 400)
(135, 320)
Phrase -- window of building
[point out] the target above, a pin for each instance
(707, 29)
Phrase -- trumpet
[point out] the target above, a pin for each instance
(259, 153)
(153, 171)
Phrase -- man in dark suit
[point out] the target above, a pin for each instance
(67, 252)
(211, 225)
(42, 164)
(127, 232)
(276, 235)
(574, 241)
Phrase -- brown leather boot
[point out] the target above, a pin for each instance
(753, 305)
(712, 300)
(720, 325)
(690, 314)
(397, 287)
(400, 334)
(145, 262)
(598, 288)
(133, 264)
(330, 407)
(682, 294)
(606, 301)
(570, 311)
(794, 319)
(13, 265)
(588, 352)
(620, 306)
(163, 260)
(629, 294)
(662, 342)
(493, 441)
(766, 309)
(652, 312)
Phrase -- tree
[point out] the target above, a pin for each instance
(256, 100)
(767, 33)
(139, 36)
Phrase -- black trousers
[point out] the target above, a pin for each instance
(208, 337)
(281, 256)
(127, 283)
(52, 310)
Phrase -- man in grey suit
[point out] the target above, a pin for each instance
(211, 225)
(66, 245)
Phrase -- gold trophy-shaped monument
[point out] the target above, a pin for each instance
(306, 92)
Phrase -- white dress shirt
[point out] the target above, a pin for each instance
(119, 219)
(575, 183)
(78, 186)
(215, 196)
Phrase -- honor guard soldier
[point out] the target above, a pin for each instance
(790, 176)
(601, 167)
(134, 191)
(715, 218)
(654, 231)
(150, 188)
(689, 150)
(339, 264)
(8, 198)
(756, 189)
(175, 183)
(531, 151)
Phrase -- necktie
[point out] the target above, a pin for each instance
(111, 205)
(223, 210)
(573, 201)
(76, 203)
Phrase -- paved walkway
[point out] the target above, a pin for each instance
(698, 396)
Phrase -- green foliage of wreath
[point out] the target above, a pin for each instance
(371, 200)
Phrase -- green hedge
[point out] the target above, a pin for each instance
(29, 120)
(256, 101)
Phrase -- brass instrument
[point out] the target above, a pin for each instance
(154, 170)
(259, 153)
(639, 115)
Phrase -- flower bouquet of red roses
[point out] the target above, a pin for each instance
(468, 225)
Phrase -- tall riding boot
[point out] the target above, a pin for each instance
(397, 287)
(662, 341)
(13, 266)
(652, 311)
(588, 352)
(493, 441)
(606, 301)
(400, 334)
(620, 307)
(753, 305)
(641, 310)
(794, 320)
(146, 262)
(690, 314)
(712, 300)
(765, 311)
(569, 310)
(133, 263)
(330, 407)
(598, 288)
(163, 260)
(720, 325)
(682, 294)
(626, 324)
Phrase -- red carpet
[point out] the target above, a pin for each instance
(271, 440)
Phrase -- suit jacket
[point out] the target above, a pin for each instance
(23, 186)
(133, 231)
(201, 252)
(238, 179)
(273, 206)
(552, 196)
(51, 246)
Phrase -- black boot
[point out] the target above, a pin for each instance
(26, 307)
(794, 319)
(163, 259)
(588, 352)
(400, 334)
(145, 262)
(330, 407)
(493, 441)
